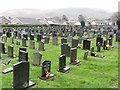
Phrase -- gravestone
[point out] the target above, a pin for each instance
(41, 46)
(99, 47)
(105, 45)
(39, 37)
(32, 44)
(24, 42)
(21, 76)
(2, 48)
(98, 39)
(74, 43)
(37, 59)
(118, 36)
(4, 38)
(110, 41)
(65, 49)
(55, 40)
(46, 66)
(86, 44)
(23, 56)
(85, 55)
(63, 40)
(69, 39)
(19, 35)
(11, 51)
(6, 61)
(80, 40)
(17, 42)
(73, 57)
(11, 40)
(62, 64)
(7, 70)
(8, 34)
(31, 36)
(25, 36)
(46, 40)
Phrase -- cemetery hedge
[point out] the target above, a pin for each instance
(92, 73)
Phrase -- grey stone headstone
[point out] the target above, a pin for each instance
(54, 40)
(11, 40)
(11, 51)
(6, 61)
(41, 46)
(46, 40)
(17, 42)
(32, 44)
(85, 55)
(23, 55)
(37, 58)
(69, 39)
(99, 39)
(2, 48)
(39, 37)
(24, 42)
(118, 36)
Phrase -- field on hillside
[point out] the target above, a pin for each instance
(92, 73)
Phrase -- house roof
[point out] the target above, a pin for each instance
(28, 20)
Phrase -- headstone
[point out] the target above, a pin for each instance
(63, 40)
(99, 47)
(6, 61)
(79, 40)
(73, 57)
(65, 49)
(74, 43)
(86, 44)
(39, 37)
(11, 51)
(46, 40)
(54, 40)
(11, 40)
(98, 39)
(41, 46)
(2, 48)
(23, 55)
(4, 38)
(25, 36)
(17, 42)
(31, 36)
(110, 41)
(19, 35)
(24, 42)
(32, 44)
(7, 70)
(21, 76)
(37, 59)
(46, 66)
(62, 64)
(118, 36)
(85, 55)
(69, 39)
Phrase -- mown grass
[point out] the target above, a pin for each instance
(92, 73)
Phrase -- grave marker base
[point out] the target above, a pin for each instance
(64, 70)
(75, 63)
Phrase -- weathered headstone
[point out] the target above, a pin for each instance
(99, 39)
(17, 42)
(6, 61)
(31, 36)
(25, 36)
(37, 59)
(41, 46)
(24, 42)
(46, 40)
(23, 55)
(85, 55)
(2, 48)
(39, 37)
(32, 44)
(62, 64)
(69, 39)
(54, 40)
(63, 40)
(11, 51)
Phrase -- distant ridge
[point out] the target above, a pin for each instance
(71, 13)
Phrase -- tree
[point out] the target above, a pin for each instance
(64, 18)
(81, 19)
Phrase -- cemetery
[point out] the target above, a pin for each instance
(59, 56)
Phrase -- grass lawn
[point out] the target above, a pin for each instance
(92, 73)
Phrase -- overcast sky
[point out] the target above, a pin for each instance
(109, 5)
